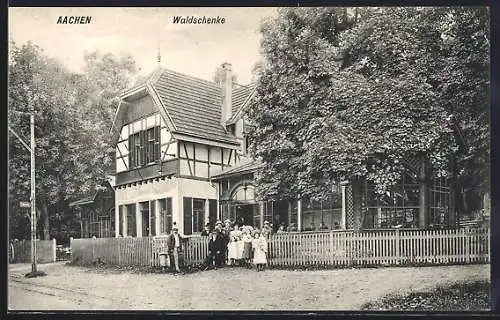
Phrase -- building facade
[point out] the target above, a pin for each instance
(97, 213)
(173, 132)
(181, 157)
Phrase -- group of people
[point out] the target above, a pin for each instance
(231, 244)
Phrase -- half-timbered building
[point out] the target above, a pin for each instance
(173, 132)
(181, 156)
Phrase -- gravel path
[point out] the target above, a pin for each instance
(69, 287)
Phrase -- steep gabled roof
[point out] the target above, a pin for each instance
(105, 185)
(240, 95)
(193, 105)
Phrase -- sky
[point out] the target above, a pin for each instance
(195, 50)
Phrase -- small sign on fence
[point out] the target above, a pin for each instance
(25, 204)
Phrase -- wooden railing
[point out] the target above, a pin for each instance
(20, 251)
(112, 251)
(333, 248)
(195, 250)
(394, 247)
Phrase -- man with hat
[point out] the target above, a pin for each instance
(225, 234)
(267, 230)
(218, 226)
(206, 231)
(174, 245)
(215, 249)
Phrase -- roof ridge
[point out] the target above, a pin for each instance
(248, 86)
(209, 82)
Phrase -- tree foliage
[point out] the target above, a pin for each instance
(345, 93)
(73, 113)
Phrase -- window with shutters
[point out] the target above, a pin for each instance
(188, 218)
(144, 147)
(194, 214)
(198, 215)
(152, 205)
(120, 220)
(131, 221)
(165, 207)
(212, 211)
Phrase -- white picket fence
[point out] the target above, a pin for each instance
(333, 248)
(387, 247)
(195, 250)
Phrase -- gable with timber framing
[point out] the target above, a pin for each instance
(198, 160)
(144, 138)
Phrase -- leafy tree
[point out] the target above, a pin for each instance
(298, 48)
(72, 115)
(345, 94)
(441, 56)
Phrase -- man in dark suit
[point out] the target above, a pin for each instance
(174, 245)
(206, 231)
(215, 248)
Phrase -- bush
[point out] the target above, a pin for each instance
(467, 296)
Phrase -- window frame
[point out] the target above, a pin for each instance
(144, 147)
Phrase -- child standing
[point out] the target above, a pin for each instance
(260, 253)
(247, 245)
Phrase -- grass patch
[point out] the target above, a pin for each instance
(466, 296)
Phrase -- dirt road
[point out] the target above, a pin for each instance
(69, 288)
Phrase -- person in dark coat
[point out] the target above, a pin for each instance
(174, 246)
(206, 231)
(216, 248)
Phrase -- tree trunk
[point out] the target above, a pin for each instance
(44, 222)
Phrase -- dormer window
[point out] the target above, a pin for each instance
(144, 147)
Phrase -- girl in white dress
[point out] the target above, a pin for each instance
(233, 247)
(260, 253)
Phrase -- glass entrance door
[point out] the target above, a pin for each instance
(243, 213)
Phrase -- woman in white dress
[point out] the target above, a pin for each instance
(260, 253)
(233, 249)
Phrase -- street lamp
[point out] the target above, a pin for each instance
(31, 149)
(33, 198)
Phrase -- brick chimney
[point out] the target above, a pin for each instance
(227, 91)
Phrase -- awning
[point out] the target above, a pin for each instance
(244, 168)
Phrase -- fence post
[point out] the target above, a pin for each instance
(71, 248)
(467, 245)
(150, 244)
(54, 249)
(488, 243)
(119, 246)
(331, 248)
(398, 253)
(93, 250)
